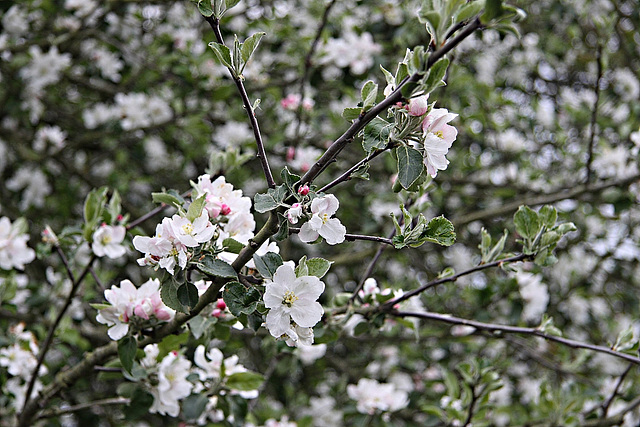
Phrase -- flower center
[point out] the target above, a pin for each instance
(325, 218)
(439, 134)
(106, 239)
(187, 228)
(289, 298)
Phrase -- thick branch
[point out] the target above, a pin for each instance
(262, 155)
(396, 96)
(71, 409)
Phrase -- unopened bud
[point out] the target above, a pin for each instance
(225, 209)
(304, 190)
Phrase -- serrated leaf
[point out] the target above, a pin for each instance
(527, 222)
(351, 113)
(194, 405)
(376, 134)
(361, 172)
(244, 381)
(196, 207)
(318, 267)
(410, 165)
(439, 230)
(232, 245)
(249, 46)
(169, 296)
(171, 343)
(187, 294)
(289, 179)
(167, 199)
(216, 267)
(223, 54)
(283, 228)
(204, 6)
(369, 93)
(548, 216)
(239, 299)
(127, 348)
(301, 268)
(265, 202)
(436, 75)
(267, 264)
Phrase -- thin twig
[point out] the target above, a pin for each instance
(370, 268)
(353, 237)
(347, 175)
(262, 155)
(594, 113)
(52, 329)
(75, 408)
(607, 403)
(516, 258)
(396, 96)
(492, 327)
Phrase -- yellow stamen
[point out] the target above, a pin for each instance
(289, 298)
(439, 134)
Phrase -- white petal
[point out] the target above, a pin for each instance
(333, 231)
(307, 234)
(285, 275)
(278, 322)
(306, 314)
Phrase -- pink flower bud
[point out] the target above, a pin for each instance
(120, 217)
(304, 190)
(418, 106)
(216, 312)
(225, 209)
(221, 304)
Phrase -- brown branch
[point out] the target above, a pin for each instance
(347, 175)
(75, 408)
(594, 113)
(396, 96)
(353, 237)
(370, 268)
(496, 328)
(262, 155)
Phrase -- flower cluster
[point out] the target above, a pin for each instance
(127, 302)
(14, 252)
(20, 361)
(173, 239)
(373, 396)
(133, 110)
(293, 305)
(321, 224)
(172, 384)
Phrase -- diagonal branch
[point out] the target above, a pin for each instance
(506, 329)
(262, 155)
(396, 96)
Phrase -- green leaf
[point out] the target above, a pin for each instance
(318, 267)
(114, 208)
(223, 54)
(230, 3)
(410, 165)
(216, 267)
(196, 207)
(376, 134)
(271, 200)
(238, 63)
(283, 228)
(194, 405)
(301, 268)
(249, 46)
(369, 93)
(439, 230)
(388, 76)
(267, 264)
(492, 10)
(362, 172)
(204, 6)
(198, 325)
(436, 75)
(127, 348)
(469, 10)
(548, 216)
(167, 199)
(94, 204)
(169, 295)
(527, 222)
(240, 300)
(232, 245)
(187, 294)
(139, 404)
(351, 113)
(244, 381)
(171, 343)
(289, 179)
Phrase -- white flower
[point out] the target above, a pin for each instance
(126, 301)
(172, 385)
(294, 213)
(321, 223)
(310, 353)
(373, 396)
(298, 336)
(292, 298)
(191, 234)
(211, 365)
(437, 139)
(107, 240)
(535, 295)
(14, 252)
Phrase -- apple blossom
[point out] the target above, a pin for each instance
(373, 396)
(294, 213)
(292, 298)
(321, 223)
(192, 234)
(14, 252)
(418, 106)
(107, 240)
(172, 384)
(437, 139)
